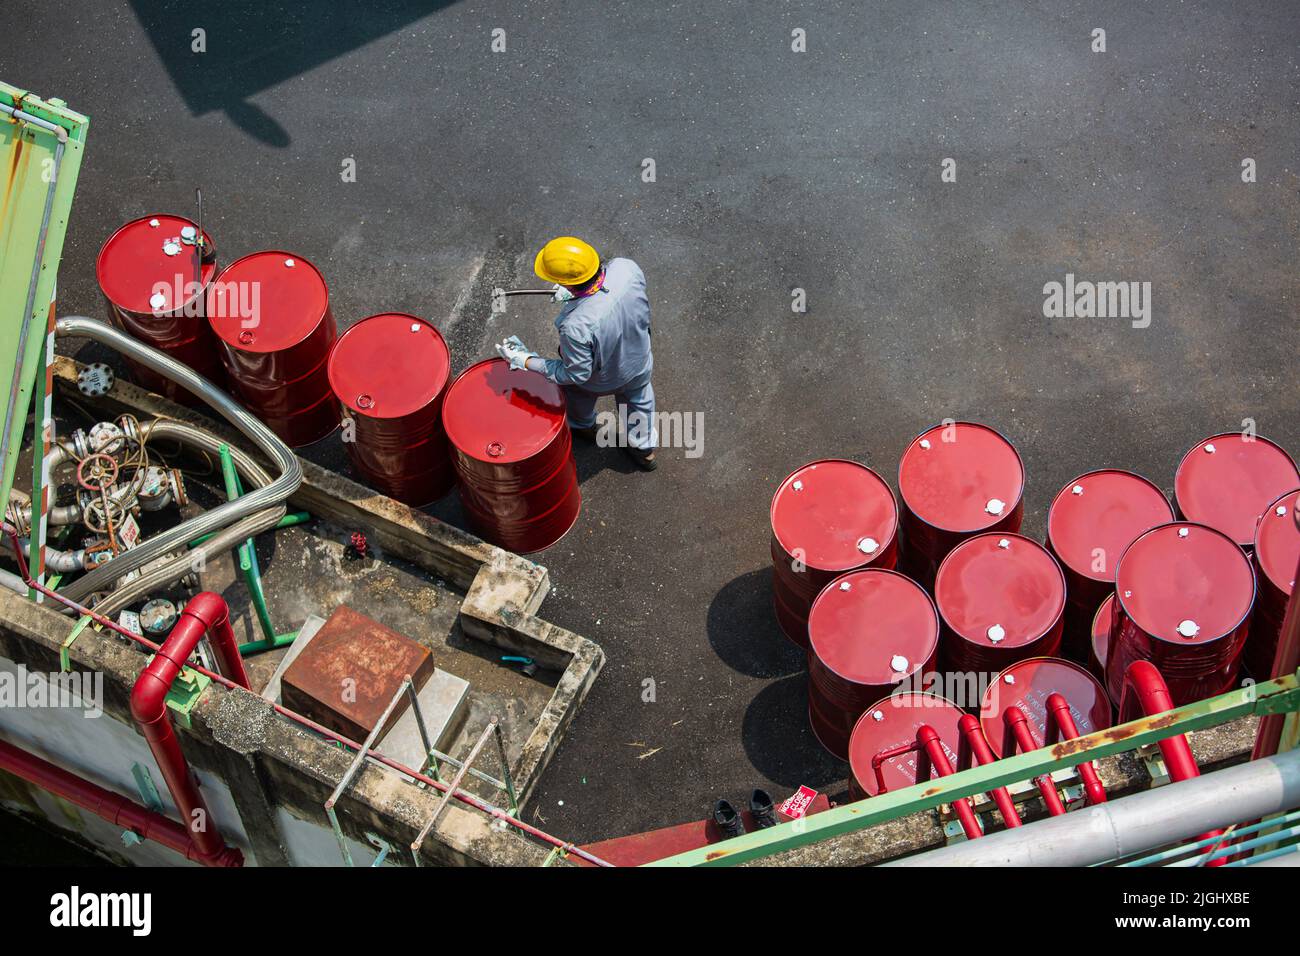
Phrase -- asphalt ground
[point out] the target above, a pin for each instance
(774, 171)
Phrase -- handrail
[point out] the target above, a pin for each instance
(1273, 697)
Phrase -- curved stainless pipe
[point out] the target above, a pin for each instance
(183, 563)
(263, 438)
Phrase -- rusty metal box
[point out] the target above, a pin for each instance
(349, 672)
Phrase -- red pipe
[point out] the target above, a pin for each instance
(468, 799)
(205, 613)
(976, 750)
(929, 754)
(1145, 694)
(1019, 737)
(1061, 726)
(110, 806)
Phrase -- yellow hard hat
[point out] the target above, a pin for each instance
(566, 261)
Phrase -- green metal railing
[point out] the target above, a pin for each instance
(1281, 696)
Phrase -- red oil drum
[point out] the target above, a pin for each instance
(1099, 645)
(1227, 481)
(1090, 523)
(390, 372)
(1183, 594)
(1000, 598)
(868, 631)
(956, 480)
(1027, 685)
(151, 277)
(828, 517)
(1277, 552)
(513, 455)
(893, 722)
(271, 313)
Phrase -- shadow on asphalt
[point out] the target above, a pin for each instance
(743, 630)
(779, 742)
(252, 45)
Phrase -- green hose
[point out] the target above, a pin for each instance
(252, 573)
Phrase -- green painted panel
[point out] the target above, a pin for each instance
(27, 167)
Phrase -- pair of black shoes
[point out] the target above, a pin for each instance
(729, 821)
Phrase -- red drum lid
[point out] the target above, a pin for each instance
(873, 626)
(1000, 590)
(389, 365)
(961, 477)
(1226, 482)
(288, 293)
(1103, 511)
(1185, 583)
(1029, 683)
(838, 514)
(134, 264)
(500, 415)
(1277, 542)
(893, 722)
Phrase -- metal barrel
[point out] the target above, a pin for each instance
(1183, 596)
(892, 722)
(1027, 684)
(1089, 524)
(955, 480)
(1226, 481)
(1001, 599)
(513, 455)
(271, 313)
(154, 284)
(1099, 644)
(828, 517)
(868, 631)
(1276, 554)
(390, 372)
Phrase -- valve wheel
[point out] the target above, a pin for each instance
(97, 472)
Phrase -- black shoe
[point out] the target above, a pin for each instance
(586, 434)
(762, 809)
(645, 460)
(727, 819)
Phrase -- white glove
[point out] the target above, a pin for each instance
(515, 352)
(561, 294)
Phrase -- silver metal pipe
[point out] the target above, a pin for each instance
(275, 493)
(1132, 824)
(185, 562)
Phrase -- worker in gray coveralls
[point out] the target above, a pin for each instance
(604, 342)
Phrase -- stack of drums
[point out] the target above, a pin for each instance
(1277, 553)
(1228, 480)
(828, 517)
(956, 480)
(868, 631)
(271, 313)
(154, 280)
(390, 372)
(1001, 598)
(892, 723)
(513, 455)
(1183, 595)
(1090, 523)
(1027, 685)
